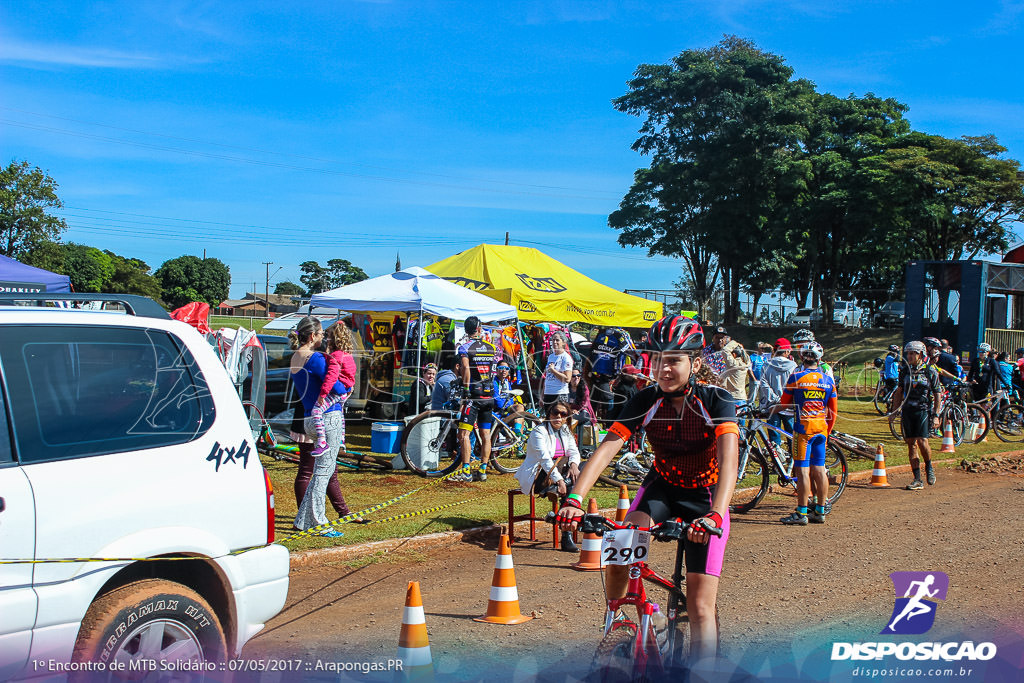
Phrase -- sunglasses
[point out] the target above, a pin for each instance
(558, 413)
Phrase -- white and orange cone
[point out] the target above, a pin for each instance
(590, 548)
(413, 646)
(947, 438)
(623, 506)
(503, 605)
(878, 477)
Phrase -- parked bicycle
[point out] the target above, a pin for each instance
(430, 442)
(654, 643)
(954, 411)
(760, 459)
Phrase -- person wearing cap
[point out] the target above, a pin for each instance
(919, 395)
(773, 382)
(729, 363)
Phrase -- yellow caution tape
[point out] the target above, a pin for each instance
(312, 531)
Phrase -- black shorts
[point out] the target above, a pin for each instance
(477, 411)
(915, 423)
(662, 501)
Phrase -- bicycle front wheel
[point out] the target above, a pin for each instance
(879, 399)
(1008, 422)
(614, 659)
(752, 489)
(896, 426)
(835, 469)
(430, 444)
(979, 417)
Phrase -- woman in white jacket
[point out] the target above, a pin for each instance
(549, 442)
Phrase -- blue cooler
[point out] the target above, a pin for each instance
(385, 437)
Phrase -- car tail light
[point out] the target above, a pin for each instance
(270, 507)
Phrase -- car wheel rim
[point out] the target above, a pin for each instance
(162, 640)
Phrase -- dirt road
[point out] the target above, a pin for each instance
(787, 593)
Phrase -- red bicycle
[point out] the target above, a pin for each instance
(656, 642)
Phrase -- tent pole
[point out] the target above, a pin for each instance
(419, 361)
(526, 367)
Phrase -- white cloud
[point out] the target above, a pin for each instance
(43, 54)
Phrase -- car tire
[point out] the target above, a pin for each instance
(146, 619)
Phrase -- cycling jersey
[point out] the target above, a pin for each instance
(482, 359)
(607, 355)
(685, 444)
(502, 399)
(814, 394)
(920, 385)
(891, 369)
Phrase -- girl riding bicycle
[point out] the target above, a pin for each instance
(692, 429)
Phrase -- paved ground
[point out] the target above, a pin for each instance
(787, 593)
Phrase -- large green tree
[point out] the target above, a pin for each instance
(339, 272)
(837, 220)
(721, 126)
(950, 199)
(288, 287)
(189, 278)
(27, 195)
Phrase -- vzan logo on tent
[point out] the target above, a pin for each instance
(468, 283)
(527, 307)
(541, 284)
(649, 315)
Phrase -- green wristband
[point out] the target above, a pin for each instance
(576, 497)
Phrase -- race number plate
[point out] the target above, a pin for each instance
(625, 546)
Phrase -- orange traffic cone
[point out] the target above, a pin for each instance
(947, 438)
(878, 477)
(503, 605)
(623, 507)
(590, 549)
(413, 647)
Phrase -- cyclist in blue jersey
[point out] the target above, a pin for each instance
(891, 368)
(477, 359)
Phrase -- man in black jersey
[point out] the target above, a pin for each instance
(477, 359)
(692, 429)
(919, 395)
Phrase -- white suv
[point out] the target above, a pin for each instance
(122, 440)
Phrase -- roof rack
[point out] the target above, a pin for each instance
(139, 306)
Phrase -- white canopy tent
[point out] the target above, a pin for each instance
(410, 290)
(414, 289)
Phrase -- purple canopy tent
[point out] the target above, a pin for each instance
(17, 278)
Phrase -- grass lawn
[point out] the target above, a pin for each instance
(488, 502)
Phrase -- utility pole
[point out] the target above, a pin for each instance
(267, 299)
(506, 239)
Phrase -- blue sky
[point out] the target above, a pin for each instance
(298, 131)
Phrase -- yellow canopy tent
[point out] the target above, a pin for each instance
(543, 289)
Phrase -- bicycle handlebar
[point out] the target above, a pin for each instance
(670, 530)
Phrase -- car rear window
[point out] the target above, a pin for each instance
(86, 391)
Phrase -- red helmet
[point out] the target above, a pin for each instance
(675, 333)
